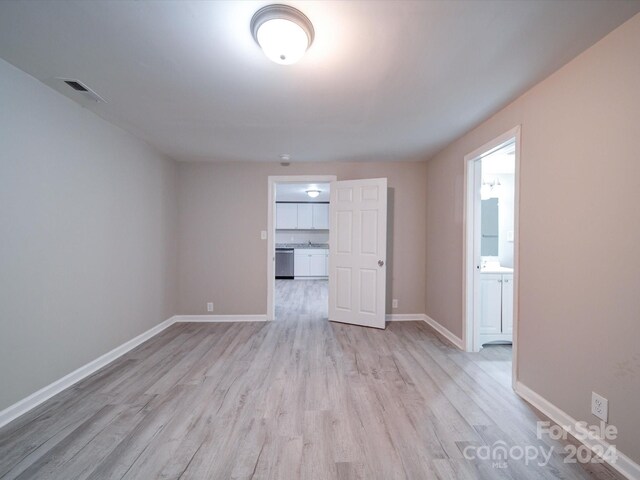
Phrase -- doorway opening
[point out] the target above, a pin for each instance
(356, 221)
(491, 251)
(299, 225)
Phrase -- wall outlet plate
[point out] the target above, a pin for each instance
(599, 406)
(394, 303)
(210, 307)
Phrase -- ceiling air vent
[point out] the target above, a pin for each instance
(83, 89)
(76, 85)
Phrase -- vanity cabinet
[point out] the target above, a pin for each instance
(496, 307)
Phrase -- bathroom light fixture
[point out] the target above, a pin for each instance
(490, 188)
(313, 193)
(284, 33)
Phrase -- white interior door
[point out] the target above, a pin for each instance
(358, 252)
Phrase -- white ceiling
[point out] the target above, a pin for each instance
(392, 80)
(297, 192)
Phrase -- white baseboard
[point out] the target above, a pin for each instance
(623, 464)
(457, 341)
(23, 406)
(219, 318)
(405, 317)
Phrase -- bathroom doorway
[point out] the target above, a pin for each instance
(491, 247)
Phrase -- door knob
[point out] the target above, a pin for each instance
(380, 263)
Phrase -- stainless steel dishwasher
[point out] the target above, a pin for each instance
(284, 263)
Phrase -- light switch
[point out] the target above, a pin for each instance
(263, 235)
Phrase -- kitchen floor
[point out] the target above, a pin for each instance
(302, 299)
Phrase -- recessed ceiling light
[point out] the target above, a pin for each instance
(284, 33)
(313, 193)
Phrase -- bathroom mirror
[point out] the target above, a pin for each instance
(489, 228)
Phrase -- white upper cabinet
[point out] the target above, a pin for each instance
(302, 216)
(286, 216)
(321, 216)
(305, 216)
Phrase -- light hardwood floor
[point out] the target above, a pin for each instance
(299, 397)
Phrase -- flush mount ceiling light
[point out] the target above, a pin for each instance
(313, 193)
(283, 32)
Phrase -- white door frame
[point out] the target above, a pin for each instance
(274, 180)
(471, 248)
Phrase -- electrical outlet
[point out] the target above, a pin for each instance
(394, 303)
(210, 307)
(599, 406)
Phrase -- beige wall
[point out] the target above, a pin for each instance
(88, 216)
(223, 208)
(579, 232)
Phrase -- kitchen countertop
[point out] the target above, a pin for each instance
(303, 245)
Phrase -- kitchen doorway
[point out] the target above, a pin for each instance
(491, 249)
(298, 235)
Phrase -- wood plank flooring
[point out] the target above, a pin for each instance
(299, 397)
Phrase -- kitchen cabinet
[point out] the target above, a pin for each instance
(302, 216)
(305, 216)
(496, 307)
(310, 262)
(320, 216)
(286, 216)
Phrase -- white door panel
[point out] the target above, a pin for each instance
(357, 253)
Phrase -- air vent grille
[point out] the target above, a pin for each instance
(76, 85)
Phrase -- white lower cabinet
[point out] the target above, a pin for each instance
(310, 262)
(507, 305)
(496, 307)
(301, 265)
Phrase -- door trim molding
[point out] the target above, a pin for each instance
(469, 330)
(272, 181)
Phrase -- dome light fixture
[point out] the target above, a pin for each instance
(313, 193)
(284, 33)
